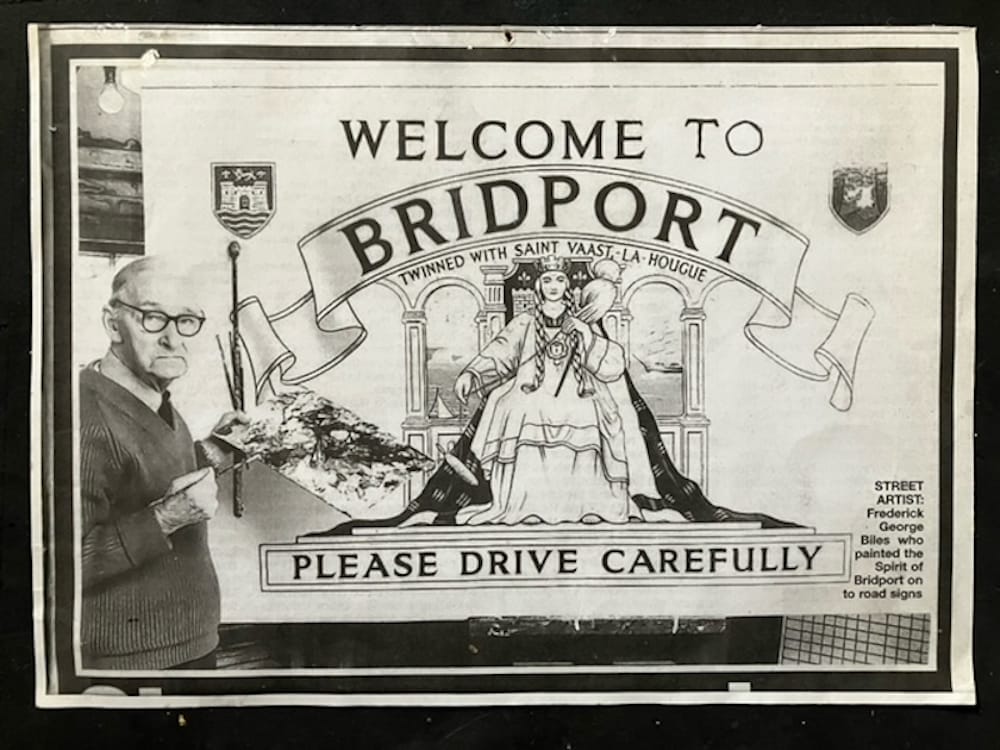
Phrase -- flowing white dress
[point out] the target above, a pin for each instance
(551, 458)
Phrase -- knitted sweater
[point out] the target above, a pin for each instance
(149, 601)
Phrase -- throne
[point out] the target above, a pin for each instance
(673, 389)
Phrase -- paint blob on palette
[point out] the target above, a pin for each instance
(329, 450)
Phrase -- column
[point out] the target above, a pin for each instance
(483, 328)
(693, 359)
(415, 431)
(695, 430)
(415, 338)
(494, 314)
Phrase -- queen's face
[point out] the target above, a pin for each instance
(553, 285)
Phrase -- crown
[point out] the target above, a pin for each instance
(553, 263)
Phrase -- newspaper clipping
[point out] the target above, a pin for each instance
(483, 366)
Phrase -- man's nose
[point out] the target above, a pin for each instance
(170, 338)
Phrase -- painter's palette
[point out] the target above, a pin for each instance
(329, 450)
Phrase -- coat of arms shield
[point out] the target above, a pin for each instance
(243, 197)
(859, 197)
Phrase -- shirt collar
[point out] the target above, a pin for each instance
(115, 370)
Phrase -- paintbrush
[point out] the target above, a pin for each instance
(225, 369)
(199, 475)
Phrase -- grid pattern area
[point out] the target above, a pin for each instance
(856, 639)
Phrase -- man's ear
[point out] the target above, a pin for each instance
(111, 325)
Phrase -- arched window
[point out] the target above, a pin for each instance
(452, 342)
(655, 343)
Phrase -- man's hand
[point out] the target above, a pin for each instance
(230, 422)
(191, 498)
(217, 452)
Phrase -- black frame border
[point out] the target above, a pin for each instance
(58, 396)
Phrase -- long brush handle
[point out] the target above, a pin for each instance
(234, 254)
(225, 370)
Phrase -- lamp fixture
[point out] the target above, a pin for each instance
(110, 99)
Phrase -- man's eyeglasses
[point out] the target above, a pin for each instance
(154, 321)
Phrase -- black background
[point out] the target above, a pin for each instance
(669, 727)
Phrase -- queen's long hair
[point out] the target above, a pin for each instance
(542, 339)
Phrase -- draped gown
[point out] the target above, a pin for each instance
(551, 454)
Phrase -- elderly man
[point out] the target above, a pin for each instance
(150, 593)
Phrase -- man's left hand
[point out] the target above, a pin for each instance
(230, 422)
(217, 451)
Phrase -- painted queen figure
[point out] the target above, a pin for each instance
(560, 435)
(557, 439)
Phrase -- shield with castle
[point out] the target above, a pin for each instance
(243, 197)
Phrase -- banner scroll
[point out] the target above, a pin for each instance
(657, 215)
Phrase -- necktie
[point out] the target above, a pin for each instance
(165, 411)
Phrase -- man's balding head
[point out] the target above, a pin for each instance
(150, 284)
(154, 274)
